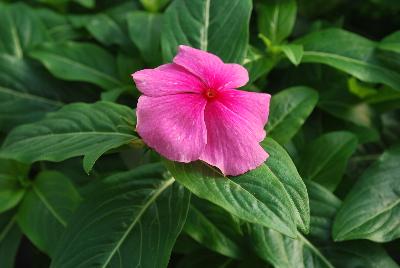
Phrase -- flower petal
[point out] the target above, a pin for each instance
(252, 107)
(231, 144)
(173, 125)
(166, 79)
(210, 69)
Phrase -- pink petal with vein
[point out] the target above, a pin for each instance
(173, 125)
(166, 79)
(252, 107)
(231, 144)
(191, 111)
(211, 69)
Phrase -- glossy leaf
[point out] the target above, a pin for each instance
(131, 219)
(324, 205)
(79, 62)
(86, 3)
(293, 52)
(272, 195)
(257, 64)
(391, 42)
(12, 175)
(371, 210)
(106, 30)
(221, 27)
(319, 251)
(359, 254)
(276, 19)
(214, 228)
(10, 237)
(149, 40)
(325, 159)
(77, 129)
(282, 251)
(11, 192)
(350, 53)
(289, 109)
(27, 92)
(58, 27)
(20, 30)
(44, 213)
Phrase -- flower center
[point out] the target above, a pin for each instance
(210, 93)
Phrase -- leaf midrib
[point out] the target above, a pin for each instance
(204, 28)
(315, 250)
(293, 203)
(327, 159)
(49, 206)
(25, 95)
(82, 66)
(64, 134)
(16, 41)
(289, 112)
(348, 59)
(340, 236)
(7, 229)
(229, 250)
(274, 22)
(136, 219)
(257, 200)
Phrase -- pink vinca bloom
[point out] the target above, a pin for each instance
(191, 110)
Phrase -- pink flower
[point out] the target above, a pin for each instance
(190, 110)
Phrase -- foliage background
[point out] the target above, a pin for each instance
(331, 183)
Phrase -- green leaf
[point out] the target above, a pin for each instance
(324, 205)
(257, 64)
(27, 92)
(76, 129)
(20, 30)
(126, 67)
(282, 167)
(372, 208)
(154, 5)
(79, 62)
(10, 237)
(46, 209)
(106, 30)
(62, 3)
(86, 3)
(220, 27)
(276, 19)
(58, 27)
(325, 159)
(272, 195)
(288, 111)
(293, 52)
(12, 176)
(214, 228)
(350, 53)
(131, 219)
(359, 254)
(11, 192)
(391, 42)
(282, 251)
(145, 33)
